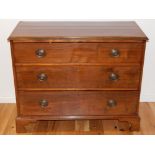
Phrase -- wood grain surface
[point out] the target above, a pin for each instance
(78, 76)
(77, 31)
(78, 103)
(78, 52)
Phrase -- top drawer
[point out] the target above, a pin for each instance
(78, 52)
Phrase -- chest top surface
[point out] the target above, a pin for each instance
(77, 30)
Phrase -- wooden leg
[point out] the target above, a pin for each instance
(21, 124)
(129, 123)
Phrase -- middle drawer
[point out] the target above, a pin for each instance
(78, 77)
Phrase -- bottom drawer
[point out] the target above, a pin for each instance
(78, 103)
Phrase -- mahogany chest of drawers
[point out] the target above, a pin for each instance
(77, 70)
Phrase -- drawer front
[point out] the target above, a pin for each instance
(76, 103)
(89, 77)
(78, 52)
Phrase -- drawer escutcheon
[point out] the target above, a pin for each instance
(111, 103)
(114, 77)
(43, 103)
(115, 53)
(40, 53)
(42, 77)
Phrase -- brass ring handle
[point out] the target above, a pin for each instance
(113, 77)
(40, 53)
(115, 53)
(42, 77)
(111, 103)
(43, 103)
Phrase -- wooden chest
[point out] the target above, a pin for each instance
(77, 70)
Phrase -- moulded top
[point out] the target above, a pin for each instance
(75, 31)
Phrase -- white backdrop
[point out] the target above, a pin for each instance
(7, 94)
